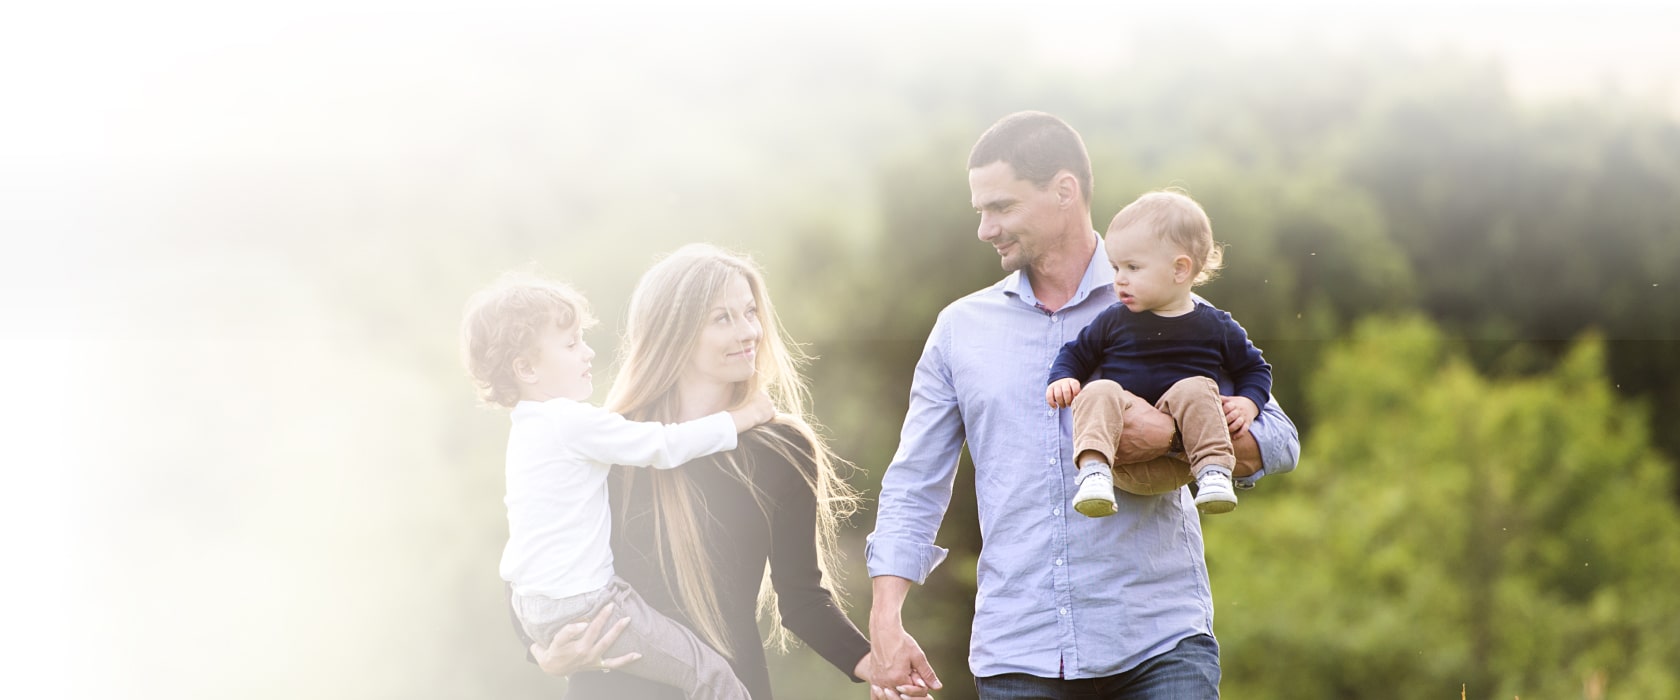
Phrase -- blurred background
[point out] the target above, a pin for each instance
(242, 459)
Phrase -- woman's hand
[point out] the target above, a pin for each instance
(579, 646)
(866, 665)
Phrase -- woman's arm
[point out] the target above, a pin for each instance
(809, 610)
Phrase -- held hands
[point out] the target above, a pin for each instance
(866, 667)
(757, 410)
(1239, 413)
(579, 646)
(896, 667)
(1061, 392)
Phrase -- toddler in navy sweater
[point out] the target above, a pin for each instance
(1166, 346)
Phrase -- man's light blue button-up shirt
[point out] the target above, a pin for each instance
(1060, 594)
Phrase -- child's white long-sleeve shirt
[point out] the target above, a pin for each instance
(558, 455)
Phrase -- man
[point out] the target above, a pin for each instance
(1116, 607)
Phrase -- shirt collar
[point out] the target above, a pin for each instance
(1098, 274)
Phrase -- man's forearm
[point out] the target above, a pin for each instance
(899, 667)
(1149, 436)
(1248, 454)
(1275, 437)
(887, 606)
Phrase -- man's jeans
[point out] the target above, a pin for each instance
(1189, 672)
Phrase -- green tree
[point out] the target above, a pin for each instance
(1449, 530)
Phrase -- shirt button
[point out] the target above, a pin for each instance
(1057, 511)
(1058, 562)
(1052, 461)
(1064, 611)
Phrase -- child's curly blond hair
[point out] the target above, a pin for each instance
(502, 324)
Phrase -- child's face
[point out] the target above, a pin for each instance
(560, 366)
(1150, 274)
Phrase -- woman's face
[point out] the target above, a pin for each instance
(727, 350)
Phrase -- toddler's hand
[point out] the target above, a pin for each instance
(755, 411)
(1239, 413)
(1061, 392)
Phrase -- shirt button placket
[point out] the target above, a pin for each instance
(1063, 581)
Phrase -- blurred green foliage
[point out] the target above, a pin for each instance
(1515, 536)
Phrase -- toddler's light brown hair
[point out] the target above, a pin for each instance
(503, 322)
(1179, 220)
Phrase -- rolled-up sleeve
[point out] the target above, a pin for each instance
(916, 488)
(1280, 445)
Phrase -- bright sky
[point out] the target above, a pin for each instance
(78, 66)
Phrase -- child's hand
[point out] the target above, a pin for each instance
(1061, 392)
(1239, 412)
(755, 411)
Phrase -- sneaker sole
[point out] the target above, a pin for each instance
(1216, 507)
(1096, 509)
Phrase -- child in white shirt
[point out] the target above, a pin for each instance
(525, 350)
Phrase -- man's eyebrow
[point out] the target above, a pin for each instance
(997, 203)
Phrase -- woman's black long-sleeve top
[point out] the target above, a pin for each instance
(741, 540)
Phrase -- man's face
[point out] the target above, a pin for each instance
(1020, 220)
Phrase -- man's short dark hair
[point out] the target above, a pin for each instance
(1037, 145)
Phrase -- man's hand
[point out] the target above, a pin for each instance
(1061, 392)
(1239, 413)
(579, 646)
(1149, 431)
(899, 667)
(1148, 434)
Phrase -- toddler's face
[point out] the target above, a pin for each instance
(1144, 270)
(562, 365)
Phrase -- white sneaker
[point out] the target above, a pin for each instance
(1214, 494)
(1095, 497)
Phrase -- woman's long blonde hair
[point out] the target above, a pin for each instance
(667, 310)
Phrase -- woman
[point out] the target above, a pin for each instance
(696, 540)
